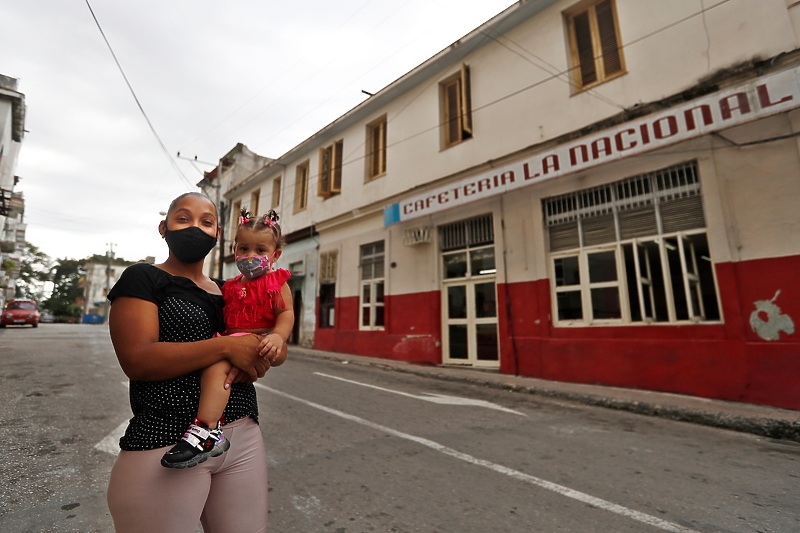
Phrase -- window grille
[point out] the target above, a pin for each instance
(630, 207)
(471, 232)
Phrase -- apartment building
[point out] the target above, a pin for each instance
(12, 203)
(594, 191)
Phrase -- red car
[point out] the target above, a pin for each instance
(19, 313)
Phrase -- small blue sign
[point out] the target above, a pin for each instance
(391, 215)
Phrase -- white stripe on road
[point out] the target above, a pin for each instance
(110, 443)
(441, 399)
(515, 474)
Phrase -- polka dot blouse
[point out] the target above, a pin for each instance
(162, 410)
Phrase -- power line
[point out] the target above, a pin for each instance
(274, 103)
(553, 75)
(136, 99)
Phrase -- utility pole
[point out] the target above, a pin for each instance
(221, 209)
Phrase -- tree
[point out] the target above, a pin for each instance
(67, 289)
(35, 270)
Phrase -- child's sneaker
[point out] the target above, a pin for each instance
(197, 444)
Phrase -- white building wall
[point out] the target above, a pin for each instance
(521, 93)
(523, 105)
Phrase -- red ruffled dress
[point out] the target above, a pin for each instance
(252, 305)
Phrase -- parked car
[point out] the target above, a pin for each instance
(46, 317)
(19, 313)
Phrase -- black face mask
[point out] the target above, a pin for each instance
(189, 245)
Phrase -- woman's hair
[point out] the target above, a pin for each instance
(174, 202)
(268, 222)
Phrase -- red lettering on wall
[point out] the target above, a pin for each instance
(601, 147)
(733, 102)
(443, 197)
(526, 171)
(644, 133)
(705, 114)
(765, 101)
(623, 145)
(485, 184)
(581, 150)
(551, 163)
(507, 177)
(671, 125)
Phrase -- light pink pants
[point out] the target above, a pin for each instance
(228, 494)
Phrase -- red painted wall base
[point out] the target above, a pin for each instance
(728, 361)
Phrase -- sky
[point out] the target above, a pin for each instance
(99, 161)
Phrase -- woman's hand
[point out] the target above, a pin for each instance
(243, 354)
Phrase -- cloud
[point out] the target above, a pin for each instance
(208, 75)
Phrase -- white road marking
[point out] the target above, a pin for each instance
(441, 399)
(110, 443)
(515, 474)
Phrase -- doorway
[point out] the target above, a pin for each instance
(469, 294)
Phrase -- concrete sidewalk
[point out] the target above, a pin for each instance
(749, 418)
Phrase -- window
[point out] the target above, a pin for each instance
(594, 43)
(276, 193)
(301, 187)
(456, 108)
(376, 148)
(253, 207)
(468, 248)
(634, 251)
(330, 170)
(372, 285)
(327, 289)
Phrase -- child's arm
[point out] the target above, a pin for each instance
(272, 344)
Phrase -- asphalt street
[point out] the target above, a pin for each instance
(360, 444)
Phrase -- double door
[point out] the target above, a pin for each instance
(470, 308)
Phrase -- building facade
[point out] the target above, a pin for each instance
(596, 191)
(12, 203)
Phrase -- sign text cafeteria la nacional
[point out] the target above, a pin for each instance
(758, 99)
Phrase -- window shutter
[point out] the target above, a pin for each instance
(564, 236)
(324, 183)
(585, 48)
(681, 214)
(327, 267)
(336, 183)
(640, 222)
(598, 230)
(612, 60)
(466, 100)
(276, 192)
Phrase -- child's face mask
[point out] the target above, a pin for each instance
(253, 266)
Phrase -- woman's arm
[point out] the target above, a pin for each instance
(133, 324)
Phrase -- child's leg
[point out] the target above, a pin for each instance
(203, 438)
(213, 395)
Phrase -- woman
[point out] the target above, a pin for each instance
(163, 322)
